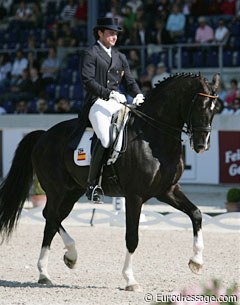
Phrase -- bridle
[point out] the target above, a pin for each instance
(188, 129)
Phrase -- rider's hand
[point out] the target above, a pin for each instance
(138, 99)
(120, 98)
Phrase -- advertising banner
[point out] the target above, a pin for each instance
(229, 149)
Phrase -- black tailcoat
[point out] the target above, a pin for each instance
(101, 74)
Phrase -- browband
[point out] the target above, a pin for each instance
(208, 95)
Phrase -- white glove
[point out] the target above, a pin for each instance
(120, 98)
(138, 99)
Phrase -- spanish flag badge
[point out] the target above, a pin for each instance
(81, 155)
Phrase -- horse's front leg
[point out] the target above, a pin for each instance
(196, 261)
(179, 201)
(133, 211)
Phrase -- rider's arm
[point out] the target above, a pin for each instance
(128, 80)
(89, 79)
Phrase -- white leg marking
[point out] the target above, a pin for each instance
(206, 141)
(198, 248)
(128, 271)
(69, 243)
(43, 263)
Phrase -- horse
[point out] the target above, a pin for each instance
(150, 166)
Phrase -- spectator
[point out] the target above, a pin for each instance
(176, 23)
(5, 72)
(2, 109)
(146, 87)
(31, 42)
(42, 106)
(139, 35)
(186, 7)
(161, 74)
(37, 15)
(236, 106)
(199, 8)
(159, 36)
(222, 92)
(163, 9)
(148, 74)
(233, 92)
(67, 38)
(140, 15)
(23, 17)
(38, 86)
(32, 60)
(21, 107)
(63, 106)
(233, 108)
(19, 64)
(68, 12)
(221, 33)
(53, 35)
(5, 8)
(22, 89)
(134, 4)
(134, 63)
(150, 9)
(50, 67)
(214, 7)
(228, 7)
(81, 12)
(204, 33)
(113, 13)
(129, 18)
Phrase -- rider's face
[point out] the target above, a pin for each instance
(108, 37)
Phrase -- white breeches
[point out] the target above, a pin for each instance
(100, 116)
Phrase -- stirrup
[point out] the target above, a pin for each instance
(96, 196)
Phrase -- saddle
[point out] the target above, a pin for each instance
(82, 154)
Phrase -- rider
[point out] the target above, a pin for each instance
(103, 69)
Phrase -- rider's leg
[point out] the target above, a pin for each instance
(98, 155)
(100, 116)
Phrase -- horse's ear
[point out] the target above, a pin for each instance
(216, 81)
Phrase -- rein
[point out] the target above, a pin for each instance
(154, 123)
(158, 125)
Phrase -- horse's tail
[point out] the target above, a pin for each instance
(15, 187)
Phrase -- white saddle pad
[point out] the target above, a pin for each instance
(82, 155)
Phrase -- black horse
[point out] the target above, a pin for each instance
(150, 167)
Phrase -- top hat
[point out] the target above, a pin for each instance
(108, 23)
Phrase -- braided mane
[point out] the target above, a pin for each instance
(180, 76)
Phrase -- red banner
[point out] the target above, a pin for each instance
(229, 147)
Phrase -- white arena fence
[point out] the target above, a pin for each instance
(100, 216)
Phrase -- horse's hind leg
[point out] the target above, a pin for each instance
(51, 228)
(70, 256)
(179, 201)
(54, 212)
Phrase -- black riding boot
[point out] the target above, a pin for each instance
(94, 192)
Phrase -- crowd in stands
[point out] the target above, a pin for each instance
(38, 74)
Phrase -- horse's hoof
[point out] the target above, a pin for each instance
(135, 287)
(44, 281)
(195, 267)
(68, 262)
